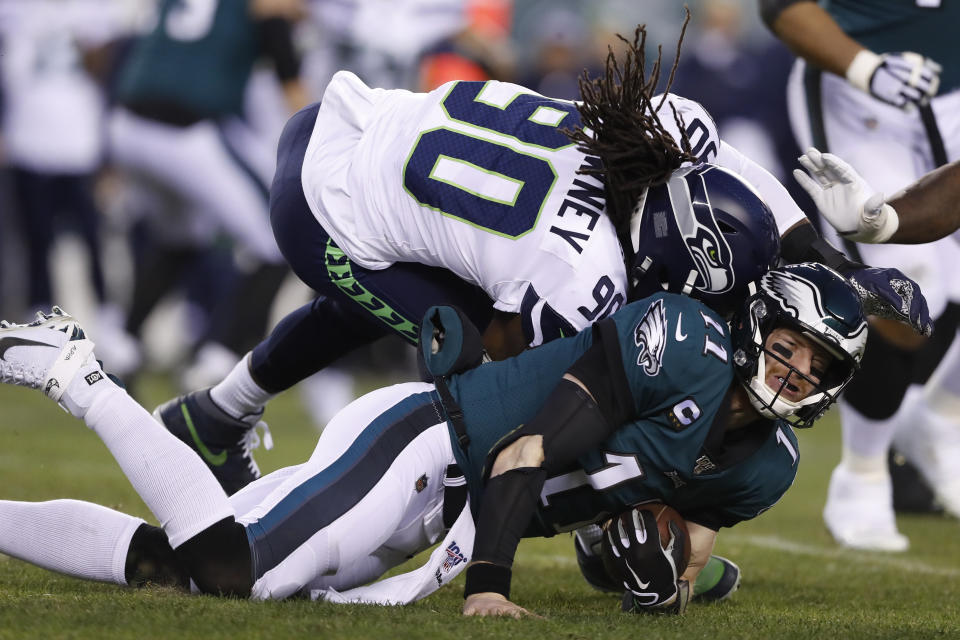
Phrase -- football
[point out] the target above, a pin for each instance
(665, 516)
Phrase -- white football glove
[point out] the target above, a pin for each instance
(901, 79)
(845, 199)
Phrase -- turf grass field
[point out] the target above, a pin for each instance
(796, 582)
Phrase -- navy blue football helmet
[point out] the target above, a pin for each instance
(705, 233)
(823, 306)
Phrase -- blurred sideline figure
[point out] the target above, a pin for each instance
(481, 50)
(52, 137)
(871, 89)
(179, 127)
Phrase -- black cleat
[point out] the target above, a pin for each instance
(224, 443)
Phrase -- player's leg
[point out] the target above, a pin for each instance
(54, 355)
(36, 215)
(243, 166)
(879, 141)
(377, 473)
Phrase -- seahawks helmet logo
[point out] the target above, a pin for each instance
(706, 244)
(650, 336)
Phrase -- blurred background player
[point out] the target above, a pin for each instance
(877, 85)
(179, 127)
(54, 56)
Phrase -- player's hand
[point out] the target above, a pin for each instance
(888, 293)
(903, 78)
(493, 604)
(845, 199)
(645, 566)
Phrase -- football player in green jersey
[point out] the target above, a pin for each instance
(662, 401)
(878, 84)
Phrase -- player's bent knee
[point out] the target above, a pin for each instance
(218, 559)
(151, 560)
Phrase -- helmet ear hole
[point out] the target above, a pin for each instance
(727, 228)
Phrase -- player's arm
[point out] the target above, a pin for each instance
(785, 210)
(702, 540)
(504, 336)
(929, 209)
(897, 78)
(879, 287)
(811, 33)
(583, 410)
(275, 20)
(925, 211)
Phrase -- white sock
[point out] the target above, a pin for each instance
(238, 395)
(865, 441)
(79, 539)
(172, 480)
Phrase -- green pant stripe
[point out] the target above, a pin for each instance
(341, 274)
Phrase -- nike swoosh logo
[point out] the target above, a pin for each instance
(679, 335)
(214, 459)
(9, 343)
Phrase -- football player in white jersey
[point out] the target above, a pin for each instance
(478, 195)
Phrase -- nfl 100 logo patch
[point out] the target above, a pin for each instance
(454, 557)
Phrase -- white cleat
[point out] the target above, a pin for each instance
(52, 353)
(859, 512)
(45, 354)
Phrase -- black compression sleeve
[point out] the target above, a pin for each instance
(276, 43)
(509, 500)
(804, 244)
(600, 369)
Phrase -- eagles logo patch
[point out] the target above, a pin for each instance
(650, 336)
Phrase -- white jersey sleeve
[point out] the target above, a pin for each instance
(706, 144)
(784, 208)
(697, 122)
(477, 178)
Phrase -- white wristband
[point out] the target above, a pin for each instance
(861, 69)
(877, 229)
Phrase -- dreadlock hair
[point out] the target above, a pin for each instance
(620, 125)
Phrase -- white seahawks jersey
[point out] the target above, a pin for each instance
(477, 178)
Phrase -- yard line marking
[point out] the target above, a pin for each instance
(864, 557)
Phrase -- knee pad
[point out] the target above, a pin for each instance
(151, 559)
(218, 559)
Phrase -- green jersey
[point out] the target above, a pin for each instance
(198, 58)
(924, 26)
(676, 354)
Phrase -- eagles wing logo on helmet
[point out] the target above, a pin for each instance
(794, 293)
(650, 335)
(788, 290)
(707, 246)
